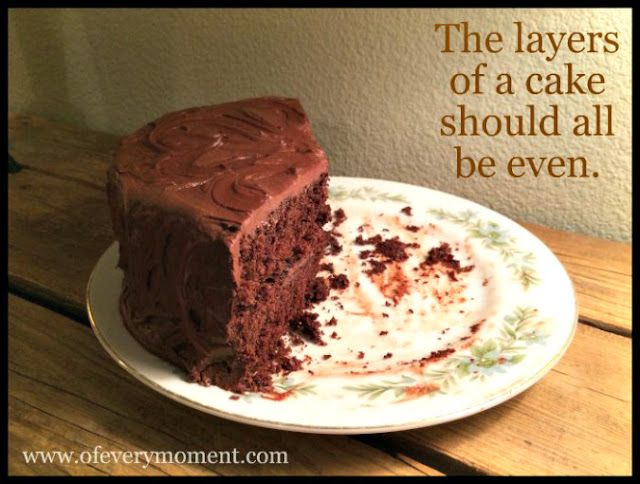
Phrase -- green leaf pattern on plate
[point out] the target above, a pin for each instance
(497, 239)
(287, 385)
(519, 330)
(365, 193)
(374, 390)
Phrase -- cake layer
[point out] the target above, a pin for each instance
(257, 335)
(254, 349)
(291, 231)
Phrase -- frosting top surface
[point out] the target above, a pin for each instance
(225, 161)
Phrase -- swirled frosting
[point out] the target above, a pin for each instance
(225, 164)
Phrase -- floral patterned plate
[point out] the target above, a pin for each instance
(473, 311)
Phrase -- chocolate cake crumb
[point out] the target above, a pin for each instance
(334, 246)
(412, 228)
(290, 364)
(370, 241)
(338, 217)
(311, 372)
(385, 315)
(334, 335)
(387, 303)
(377, 267)
(331, 322)
(410, 311)
(360, 355)
(436, 355)
(407, 210)
(443, 255)
(328, 266)
(308, 325)
(384, 333)
(387, 356)
(234, 397)
(319, 291)
(339, 282)
(392, 249)
(326, 357)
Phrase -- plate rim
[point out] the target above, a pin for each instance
(509, 393)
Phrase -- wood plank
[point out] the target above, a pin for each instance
(59, 226)
(57, 231)
(601, 273)
(575, 421)
(65, 393)
(58, 217)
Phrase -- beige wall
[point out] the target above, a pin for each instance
(373, 82)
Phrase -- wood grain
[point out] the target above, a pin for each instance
(65, 393)
(60, 225)
(58, 216)
(601, 273)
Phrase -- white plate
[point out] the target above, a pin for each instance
(517, 287)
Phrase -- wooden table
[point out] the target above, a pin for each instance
(65, 393)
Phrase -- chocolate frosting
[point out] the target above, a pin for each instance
(183, 191)
(223, 163)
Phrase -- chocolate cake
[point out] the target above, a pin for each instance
(219, 215)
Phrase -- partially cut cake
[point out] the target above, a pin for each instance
(219, 215)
